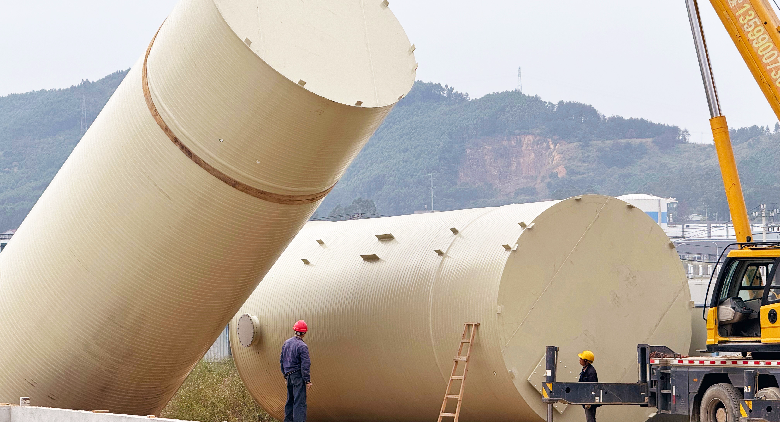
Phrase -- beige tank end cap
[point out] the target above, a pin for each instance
(248, 330)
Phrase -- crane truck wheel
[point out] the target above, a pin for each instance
(720, 404)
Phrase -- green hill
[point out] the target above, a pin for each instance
(508, 147)
(38, 130)
(504, 147)
(501, 148)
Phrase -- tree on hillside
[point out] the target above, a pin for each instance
(359, 208)
(671, 137)
(744, 134)
(621, 153)
(429, 92)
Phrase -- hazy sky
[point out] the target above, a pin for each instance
(628, 58)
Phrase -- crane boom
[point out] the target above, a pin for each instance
(720, 130)
(753, 27)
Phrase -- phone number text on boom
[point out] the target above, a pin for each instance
(758, 37)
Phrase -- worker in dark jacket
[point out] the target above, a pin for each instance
(588, 374)
(295, 364)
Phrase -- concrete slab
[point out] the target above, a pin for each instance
(12, 413)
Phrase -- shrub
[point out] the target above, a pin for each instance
(214, 392)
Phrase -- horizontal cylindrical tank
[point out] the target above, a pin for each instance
(386, 299)
(208, 159)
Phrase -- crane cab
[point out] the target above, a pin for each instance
(744, 306)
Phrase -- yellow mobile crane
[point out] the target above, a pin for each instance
(742, 312)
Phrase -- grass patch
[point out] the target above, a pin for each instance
(214, 392)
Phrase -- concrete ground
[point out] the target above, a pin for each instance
(10, 413)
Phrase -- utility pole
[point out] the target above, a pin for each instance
(431, 174)
(763, 222)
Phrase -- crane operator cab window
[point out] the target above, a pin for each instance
(742, 294)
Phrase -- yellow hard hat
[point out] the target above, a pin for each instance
(587, 355)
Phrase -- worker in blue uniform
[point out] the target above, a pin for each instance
(588, 374)
(295, 365)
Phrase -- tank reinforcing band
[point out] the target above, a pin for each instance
(249, 190)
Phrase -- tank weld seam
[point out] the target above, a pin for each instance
(368, 50)
(437, 277)
(242, 187)
(658, 323)
(671, 303)
(552, 279)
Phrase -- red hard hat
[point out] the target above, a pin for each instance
(300, 326)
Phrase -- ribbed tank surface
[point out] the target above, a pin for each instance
(385, 300)
(212, 154)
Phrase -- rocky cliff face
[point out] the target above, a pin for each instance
(514, 164)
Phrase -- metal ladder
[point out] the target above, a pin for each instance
(469, 329)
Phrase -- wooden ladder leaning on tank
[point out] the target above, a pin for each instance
(469, 329)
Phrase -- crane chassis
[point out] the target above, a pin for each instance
(704, 388)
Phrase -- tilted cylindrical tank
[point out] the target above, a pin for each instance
(205, 163)
(386, 299)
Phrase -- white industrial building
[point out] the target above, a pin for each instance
(654, 206)
(220, 349)
(5, 237)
